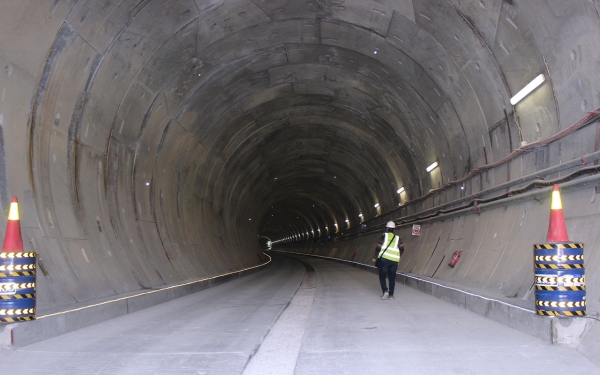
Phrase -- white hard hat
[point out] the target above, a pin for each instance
(390, 224)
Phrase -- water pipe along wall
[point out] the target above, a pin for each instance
(152, 142)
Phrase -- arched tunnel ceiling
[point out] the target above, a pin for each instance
(275, 117)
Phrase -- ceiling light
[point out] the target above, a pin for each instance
(432, 166)
(400, 190)
(527, 89)
(376, 205)
(347, 221)
(360, 215)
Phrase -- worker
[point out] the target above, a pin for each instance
(388, 251)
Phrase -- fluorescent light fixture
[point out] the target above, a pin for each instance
(527, 89)
(376, 205)
(400, 190)
(432, 166)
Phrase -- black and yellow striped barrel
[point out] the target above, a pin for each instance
(17, 286)
(559, 279)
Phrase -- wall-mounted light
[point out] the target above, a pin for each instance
(400, 190)
(527, 89)
(432, 166)
(376, 205)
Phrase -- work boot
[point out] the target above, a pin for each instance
(385, 295)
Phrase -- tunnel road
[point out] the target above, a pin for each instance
(346, 329)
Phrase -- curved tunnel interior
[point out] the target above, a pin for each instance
(164, 138)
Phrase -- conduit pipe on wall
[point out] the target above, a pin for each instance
(586, 159)
(591, 118)
(477, 205)
(503, 200)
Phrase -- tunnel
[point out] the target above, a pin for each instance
(155, 142)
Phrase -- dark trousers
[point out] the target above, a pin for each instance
(387, 269)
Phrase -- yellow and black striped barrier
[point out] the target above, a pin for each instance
(17, 286)
(559, 279)
(561, 288)
(558, 245)
(561, 313)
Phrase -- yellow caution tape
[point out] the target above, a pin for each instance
(558, 266)
(557, 258)
(17, 296)
(550, 246)
(17, 267)
(560, 288)
(18, 254)
(560, 304)
(17, 319)
(559, 313)
(17, 311)
(559, 280)
(13, 274)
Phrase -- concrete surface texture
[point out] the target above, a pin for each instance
(155, 141)
(338, 325)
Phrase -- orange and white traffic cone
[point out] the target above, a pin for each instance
(557, 230)
(13, 241)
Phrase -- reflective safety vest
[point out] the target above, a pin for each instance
(393, 252)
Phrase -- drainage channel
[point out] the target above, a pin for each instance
(278, 352)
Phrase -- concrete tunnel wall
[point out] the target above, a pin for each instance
(153, 141)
